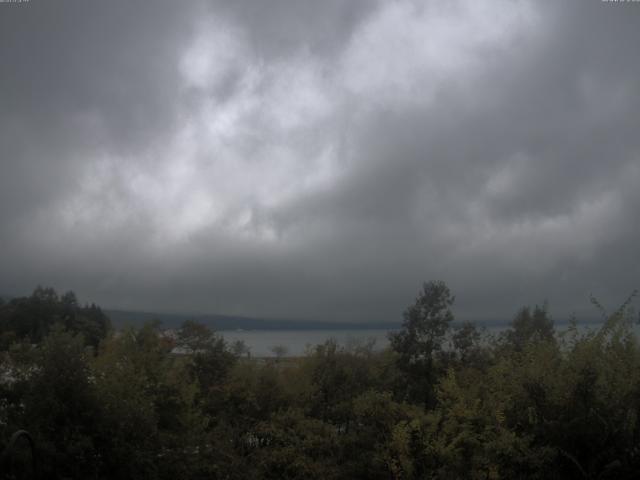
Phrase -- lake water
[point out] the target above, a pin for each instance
(260, 342)
(296, 342)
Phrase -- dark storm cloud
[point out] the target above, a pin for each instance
(72, 56)
(76, 77)
(283, 26)
(321, 159)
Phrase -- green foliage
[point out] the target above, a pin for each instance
(153, 404)
(31, 318)
(56, 402)
(296, 447)
(530, 327)
(420, 341)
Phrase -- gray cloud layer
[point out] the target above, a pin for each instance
(320, 159)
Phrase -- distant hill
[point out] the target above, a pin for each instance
(124, 318)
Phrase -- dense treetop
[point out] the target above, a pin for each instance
(32, 318)
(444, 401)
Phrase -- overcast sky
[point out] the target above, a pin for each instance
(321, 159)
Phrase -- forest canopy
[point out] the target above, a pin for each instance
(444, 401)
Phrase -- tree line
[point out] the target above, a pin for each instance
(443, 401)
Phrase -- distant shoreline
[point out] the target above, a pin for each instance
(125, 318)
